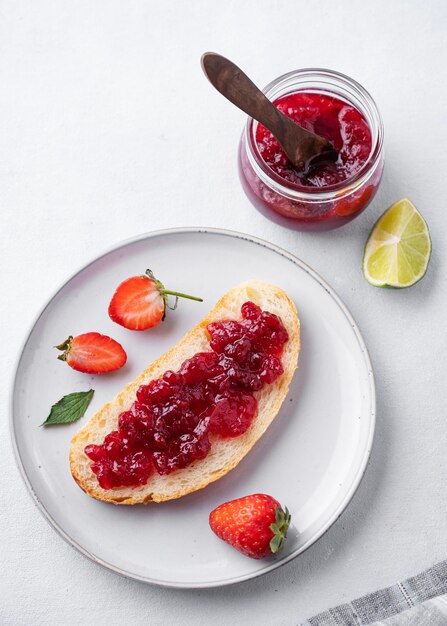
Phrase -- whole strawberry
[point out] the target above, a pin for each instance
(140, 302)
(255, 525)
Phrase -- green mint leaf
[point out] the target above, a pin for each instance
(69, 408)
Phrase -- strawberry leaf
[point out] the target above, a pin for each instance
(276, 543)
(70, 408)
(279, 529)
(279, 515)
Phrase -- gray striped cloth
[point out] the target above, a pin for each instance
(417, 601)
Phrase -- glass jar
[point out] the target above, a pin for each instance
(313, 208)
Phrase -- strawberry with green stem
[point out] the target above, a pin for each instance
(140, 302)
(255, 525)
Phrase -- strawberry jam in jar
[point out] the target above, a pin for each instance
(332, 193)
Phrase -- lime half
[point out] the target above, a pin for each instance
(398, 248)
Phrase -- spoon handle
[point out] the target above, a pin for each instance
(303, 148)
(232, 83)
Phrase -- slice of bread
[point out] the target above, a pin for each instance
(225, 454)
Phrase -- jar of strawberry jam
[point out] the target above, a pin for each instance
(333, 193)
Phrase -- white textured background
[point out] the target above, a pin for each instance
(108, 129)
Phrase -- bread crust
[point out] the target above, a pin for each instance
(224, 454)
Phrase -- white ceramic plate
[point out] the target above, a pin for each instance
(311, 458)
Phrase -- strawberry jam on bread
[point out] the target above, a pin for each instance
(193, 415)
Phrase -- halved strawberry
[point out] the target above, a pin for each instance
(256, 525)
(92, 353)
(140, 302)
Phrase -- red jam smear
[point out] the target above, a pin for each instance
(340, 123)
(168, 426)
